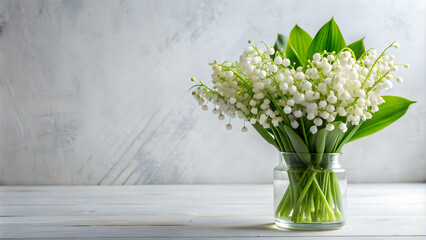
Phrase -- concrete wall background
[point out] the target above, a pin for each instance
(94, 92)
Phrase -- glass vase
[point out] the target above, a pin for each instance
(310, 191)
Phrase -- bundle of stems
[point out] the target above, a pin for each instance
(313, 195)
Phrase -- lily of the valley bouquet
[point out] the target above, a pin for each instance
(308, 98)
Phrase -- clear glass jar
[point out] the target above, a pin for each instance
(310, 191)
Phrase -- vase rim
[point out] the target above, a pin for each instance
(312, 154)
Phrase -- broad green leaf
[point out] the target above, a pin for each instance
(328, 38)
(292, 56)
(297, 45)
(312, 141)
(287, 144)
(265, 134)
(320, 140)
(318, 145)
(278, 139)
(298, 145)
(358, 47)
(333, 138)
(391, 110)
(280, 43)
(284, 139)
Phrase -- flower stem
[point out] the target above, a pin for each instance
(327, 206)
(313, 196)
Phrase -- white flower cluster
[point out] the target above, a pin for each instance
(269, 90)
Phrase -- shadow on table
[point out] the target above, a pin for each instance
(267, 226)
(271, 227)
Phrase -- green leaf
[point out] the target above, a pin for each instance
(297, 46)
(280, 43)
(358, 47)
(265, 134)
(298, 145)
(320, 140)
(278, 139)
(328, 38)
(284, 139)
(333, 138)
(317, 144)
(391, 110)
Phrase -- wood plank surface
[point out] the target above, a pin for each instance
(375, 211)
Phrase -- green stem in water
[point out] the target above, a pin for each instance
(302, 195)
(327, 206)
(316, 199)
(282, 202)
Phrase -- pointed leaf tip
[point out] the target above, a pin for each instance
(297, 44)
(358, 47)
(328, 38)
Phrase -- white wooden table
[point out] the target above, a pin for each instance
(379, 211)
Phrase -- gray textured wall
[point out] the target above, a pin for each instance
(94, 92)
